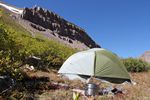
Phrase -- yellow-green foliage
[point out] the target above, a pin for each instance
(16, 45)
(135, 65)
(76, 96)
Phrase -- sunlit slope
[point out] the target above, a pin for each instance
(21, 44)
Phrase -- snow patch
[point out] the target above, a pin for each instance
(12, 9)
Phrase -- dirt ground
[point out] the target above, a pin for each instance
(140, 91)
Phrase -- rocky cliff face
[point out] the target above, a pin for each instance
(46, 20)
(146, 56)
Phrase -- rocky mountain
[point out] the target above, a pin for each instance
(66, 32)
(146, 56)
(39, 21)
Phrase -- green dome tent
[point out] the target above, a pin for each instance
(96, 62)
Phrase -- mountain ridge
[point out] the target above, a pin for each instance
(65, 30)
(47, 23)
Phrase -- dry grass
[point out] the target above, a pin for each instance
(56, 95)
(140, 91)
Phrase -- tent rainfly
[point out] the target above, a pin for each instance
(99, 63)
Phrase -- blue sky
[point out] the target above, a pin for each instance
(122, 26)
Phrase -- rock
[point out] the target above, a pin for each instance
(37, 27)
(146, 56)
(5, 83)
(55, 23)
(33, 61)
(70, 41)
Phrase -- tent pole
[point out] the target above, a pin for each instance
(94, 64)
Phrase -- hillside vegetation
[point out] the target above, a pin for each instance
(135, 65)
(17, 44)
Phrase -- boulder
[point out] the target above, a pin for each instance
(5, 83)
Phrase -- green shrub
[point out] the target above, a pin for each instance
(17, 45)
(135, 65)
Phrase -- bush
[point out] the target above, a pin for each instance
(9, 62)
(135, 65)
(17, 45)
